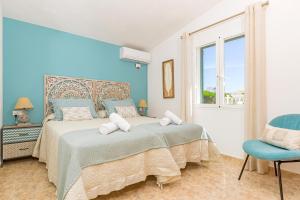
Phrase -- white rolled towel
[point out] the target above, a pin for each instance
(108, 128)
(165, 121)
(173, 117)
(119, 121)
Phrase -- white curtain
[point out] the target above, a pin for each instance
(186, 78)
(255, 94)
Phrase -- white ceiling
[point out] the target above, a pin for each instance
(139, 24)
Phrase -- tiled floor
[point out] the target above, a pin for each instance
(27, 179)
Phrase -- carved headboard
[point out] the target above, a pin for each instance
(60, 87)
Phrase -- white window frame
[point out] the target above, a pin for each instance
(220, 68)
(198, 76)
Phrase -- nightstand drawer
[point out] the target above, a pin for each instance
(18, 150)
(15, 135)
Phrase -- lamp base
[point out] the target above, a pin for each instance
(142, 111)
(23, 118)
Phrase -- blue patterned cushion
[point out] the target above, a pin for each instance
(110, 104)
(109, 108)
(58, 103)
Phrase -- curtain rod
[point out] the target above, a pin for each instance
(223, 20)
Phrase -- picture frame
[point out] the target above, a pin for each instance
(168, 79)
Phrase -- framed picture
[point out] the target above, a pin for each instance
(168, 79)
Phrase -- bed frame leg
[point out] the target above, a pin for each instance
(160, 185)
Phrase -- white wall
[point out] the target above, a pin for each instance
(283, 69)
(157, 105)
(283, 60)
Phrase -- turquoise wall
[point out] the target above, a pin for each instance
(31, 51)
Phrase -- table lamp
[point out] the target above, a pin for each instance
(23, 104)
(142, 107)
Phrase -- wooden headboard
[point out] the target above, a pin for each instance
(61, 87)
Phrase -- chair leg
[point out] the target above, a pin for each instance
(244, 165)
(280, 180)
(275, 168)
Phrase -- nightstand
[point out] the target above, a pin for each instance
(18, 141)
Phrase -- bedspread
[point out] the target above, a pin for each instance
(104, 178)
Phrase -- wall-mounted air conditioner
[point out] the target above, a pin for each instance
(134, 55)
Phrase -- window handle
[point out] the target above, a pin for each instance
(24, 149)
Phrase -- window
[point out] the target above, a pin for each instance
(208, 74)
(222, 68)
(234, 67)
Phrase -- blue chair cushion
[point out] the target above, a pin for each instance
(264, 151)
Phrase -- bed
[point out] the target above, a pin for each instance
(101, 179)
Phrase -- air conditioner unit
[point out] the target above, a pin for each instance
(134, 55)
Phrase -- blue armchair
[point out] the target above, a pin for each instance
(264, 151)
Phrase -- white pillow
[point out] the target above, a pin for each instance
(284, 138)
(76, 113)
(127, 111)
